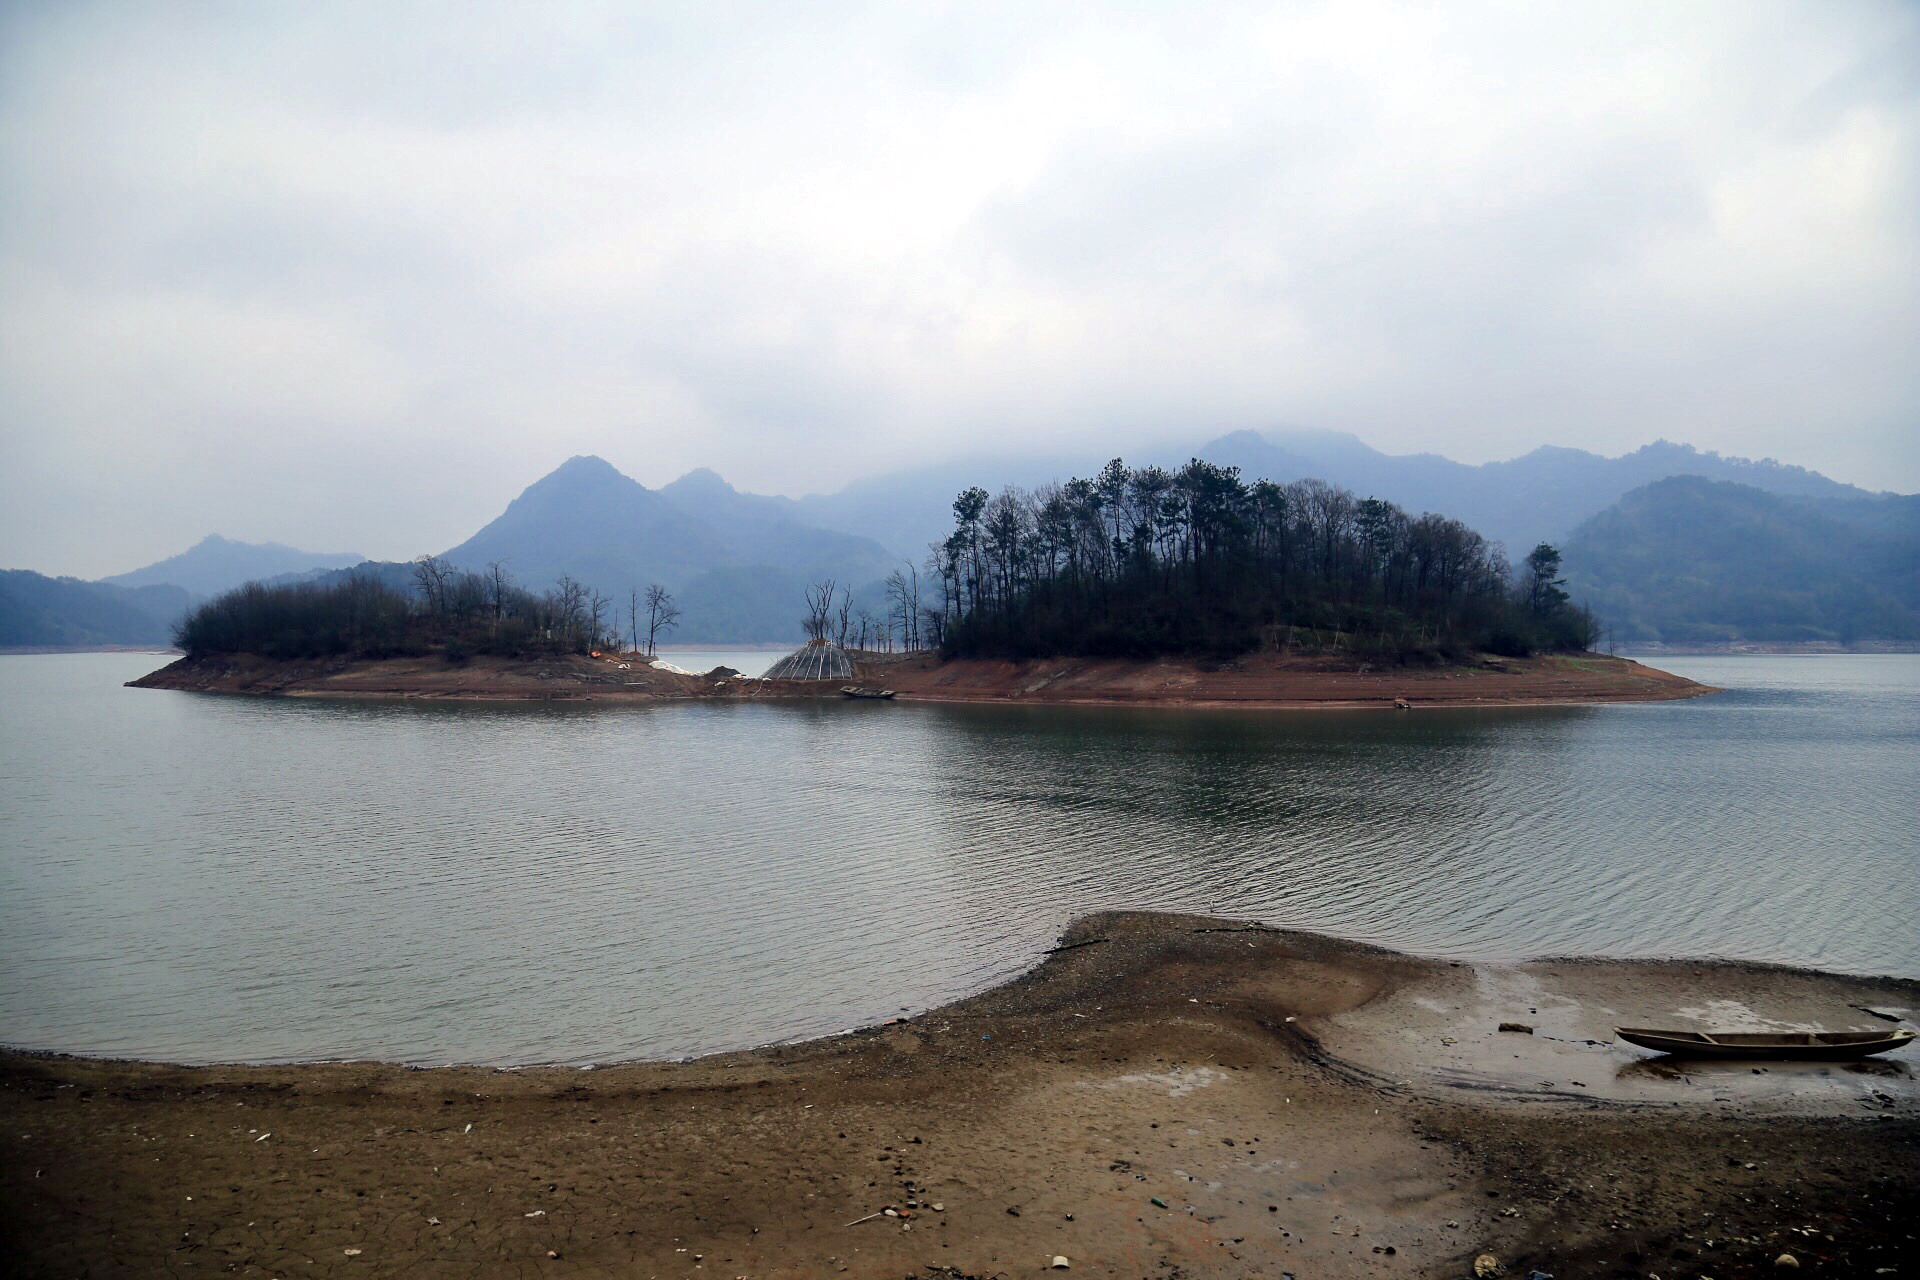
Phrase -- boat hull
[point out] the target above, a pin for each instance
(1815, 1046)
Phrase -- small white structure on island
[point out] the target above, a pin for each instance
(815, 660)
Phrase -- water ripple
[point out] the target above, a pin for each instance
(206, 878)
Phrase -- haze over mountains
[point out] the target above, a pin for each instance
(1687, 560)
(1746, 549)
(1520, 502)
(214, 564)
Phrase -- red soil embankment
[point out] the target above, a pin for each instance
(1262, 680)
(1270, 680)
(564, 677)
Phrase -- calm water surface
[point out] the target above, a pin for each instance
(197, 877)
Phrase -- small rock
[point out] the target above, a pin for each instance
(1486, 1266)
(939, 1208)
(1060, 1262)
(1521, 1027)
(351, 1253)
(1787, 1261)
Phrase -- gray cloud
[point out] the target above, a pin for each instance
(352, 275)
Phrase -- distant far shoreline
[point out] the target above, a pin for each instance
(1733, 648)
(159, 651)
(757, 646)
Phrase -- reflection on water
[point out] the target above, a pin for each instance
(194, 877)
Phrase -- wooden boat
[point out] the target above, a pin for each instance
(858, 691)
(1766, 1044)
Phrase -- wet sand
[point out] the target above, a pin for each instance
(1294, 1104)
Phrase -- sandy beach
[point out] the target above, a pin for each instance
(1165, 1096)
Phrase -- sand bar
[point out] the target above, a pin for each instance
(1294, 1104)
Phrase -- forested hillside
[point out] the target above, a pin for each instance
(1690, 560)
(41, 612)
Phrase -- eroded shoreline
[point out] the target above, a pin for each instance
(1295, 1102)
(1256, 682)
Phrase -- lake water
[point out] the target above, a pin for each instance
(196, 877)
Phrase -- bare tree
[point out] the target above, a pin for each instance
(597, 611)
(633, 619)
(933, 627)
(569, 604)
(903, 605)
(819, 610)
(430, 574)
(845, 617)
(497, 585)
(662, 613)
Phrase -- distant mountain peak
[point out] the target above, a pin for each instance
(584, 465)
(1244, 436)
(700, 480)
(216, 563)
(578, 477)
(219, 542)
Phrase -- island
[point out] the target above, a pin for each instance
(1138, 586)
(1252, 682)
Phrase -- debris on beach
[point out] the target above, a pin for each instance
(1486, 1266)
(1521, 1027)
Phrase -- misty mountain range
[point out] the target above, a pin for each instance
(215, 564)
(1667, 542)
(1539, 497)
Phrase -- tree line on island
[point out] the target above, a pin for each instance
(1134, 562)
(442, 609)
(1140, 562)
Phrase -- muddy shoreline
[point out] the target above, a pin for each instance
(1164, 1096)
(1261, 682)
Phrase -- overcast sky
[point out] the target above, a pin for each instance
(350, 276)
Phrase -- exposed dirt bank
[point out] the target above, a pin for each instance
(1267, 680)
(1166, 1096)
(1255, 681)
(569, 677)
